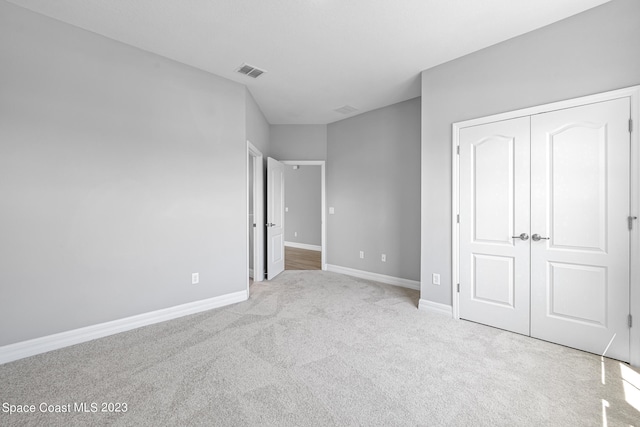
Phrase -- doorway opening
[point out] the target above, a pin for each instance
(305, 215)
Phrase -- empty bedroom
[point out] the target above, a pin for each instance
(319, 212)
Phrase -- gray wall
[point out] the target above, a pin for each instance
(373, 182)
(257, 127)
(302, 195)
(591, 52)
(121, 173)
(298, 142)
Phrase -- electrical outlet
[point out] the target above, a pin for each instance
(195, 278)
(295, 234)
(383, 258)
(435, 278)
(331, 210)
(361, 254)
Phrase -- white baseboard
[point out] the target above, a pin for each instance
(11, 352)
(303, 246)
(389, 280)
(435, 307)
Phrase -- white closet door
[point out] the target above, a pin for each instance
(494, 210)
(579, 208)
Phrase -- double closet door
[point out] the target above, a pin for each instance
(544, 237)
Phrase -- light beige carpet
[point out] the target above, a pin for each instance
(316, 349)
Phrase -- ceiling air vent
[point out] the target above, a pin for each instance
(347, 109)
(250, 71)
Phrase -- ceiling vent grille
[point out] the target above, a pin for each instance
(347, 109)
(250, 70)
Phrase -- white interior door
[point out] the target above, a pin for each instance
(494, 212)
(561, 180)
(579, 207)
(275, 218)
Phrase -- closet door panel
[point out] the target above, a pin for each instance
(494, 208)
(579, 209)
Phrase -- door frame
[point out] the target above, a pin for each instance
(323, 235)
(633, 93)
(258, 214)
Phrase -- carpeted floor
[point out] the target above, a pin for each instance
(315, 349)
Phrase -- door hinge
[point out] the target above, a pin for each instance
(458, 287)
(458, 150)
(630, 321)
(630, 221)
(630, 125)
(458, 218)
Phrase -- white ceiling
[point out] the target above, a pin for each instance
(319, 54)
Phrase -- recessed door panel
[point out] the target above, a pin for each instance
(578, 186)
(277, 244)
(492, 187)
(493, 280)
(578, 293)
(579, 207)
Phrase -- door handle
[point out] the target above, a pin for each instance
(523, 236)
(537, 237)
(270, 224)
